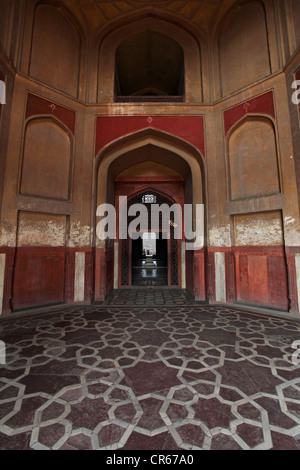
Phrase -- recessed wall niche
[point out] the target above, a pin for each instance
(55, 43)
(252, 159)
(47, 159)
(244, 58)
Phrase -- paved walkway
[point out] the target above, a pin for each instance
(149, 297)
(169, 377)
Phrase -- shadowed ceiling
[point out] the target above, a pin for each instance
(202, 13)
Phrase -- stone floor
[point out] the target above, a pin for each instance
(149, 297)
(135, 376)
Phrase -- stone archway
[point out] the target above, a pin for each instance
(181, 151)
(151, 275)
(175, 155)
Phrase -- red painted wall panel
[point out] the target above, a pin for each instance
(188, 128)
(258, 279)
(37, 106)
(261, 277)
(189, 270)
(199, 278)
(109, 269)
(230, 276)
(263, 104)
(242, 277)
(277, 282)
(100, 274)
(38, 277)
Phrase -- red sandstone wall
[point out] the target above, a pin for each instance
(254, 274)
(54, 131)
(188, 128)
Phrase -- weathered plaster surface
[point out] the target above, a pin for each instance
(80, 235)
(291, 231)
(41, 230)
(220, 236)
(7, 235)
(263, 229)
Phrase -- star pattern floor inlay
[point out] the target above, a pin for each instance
(160, 377)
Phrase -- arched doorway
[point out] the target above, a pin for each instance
(176, 174)
(150, 255)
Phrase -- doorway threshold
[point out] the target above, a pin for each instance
(151, 295)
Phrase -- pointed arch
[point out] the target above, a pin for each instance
(110, 43)
(180, 149)
(252, 150)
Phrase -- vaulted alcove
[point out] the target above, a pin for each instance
(244, 58)
(150, 57)
(253, 159)
(55, 41)
(149, 63)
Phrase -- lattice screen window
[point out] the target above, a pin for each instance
(149, 199)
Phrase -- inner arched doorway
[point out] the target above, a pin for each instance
(149, 163)
(151, 254)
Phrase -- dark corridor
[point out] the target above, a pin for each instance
(150, 261)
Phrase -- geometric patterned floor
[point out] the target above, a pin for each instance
(175, 376)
